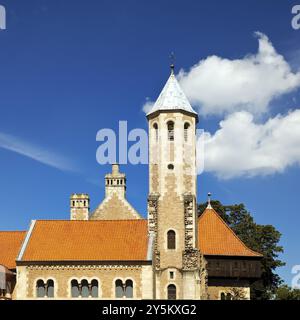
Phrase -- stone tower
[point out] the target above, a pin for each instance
(80, 206)
(172, 194)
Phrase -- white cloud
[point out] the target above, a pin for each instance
(148, 106)
(34, 152)
(217, 85)
(242, 147)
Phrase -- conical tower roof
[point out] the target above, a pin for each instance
(172, 98)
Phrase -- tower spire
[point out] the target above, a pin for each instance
(172, 66)
(172, 97)
(208, 201)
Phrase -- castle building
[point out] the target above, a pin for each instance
(114, 253)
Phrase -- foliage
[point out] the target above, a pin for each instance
(261, 238)
(285, 292)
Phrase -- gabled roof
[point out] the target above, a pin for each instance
(10, 244)
(114, 206)
(103, 240)
(172, 98)
(216, 238)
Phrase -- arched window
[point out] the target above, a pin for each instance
(170, 130)
(94, 288)
(119, 289)
(40, 289)
(50, 289)
(129, 289)
(75, 289)
(85, 289)
(155, 127)
(171, 292)
(223, 297)
(171, 239)
(228, 296)
(186, 131)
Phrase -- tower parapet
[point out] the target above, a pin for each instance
(115, 182)
(80, 206)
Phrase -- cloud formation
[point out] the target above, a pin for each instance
(242, 147)
(148, 106)
(220, 86)
(34, 152)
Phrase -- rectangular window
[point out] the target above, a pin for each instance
(185, 135)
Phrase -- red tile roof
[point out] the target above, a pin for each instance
(110, 240)
(216, 238)
(103, 240)
(10, 244)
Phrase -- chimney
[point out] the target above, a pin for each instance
(80, 206)
(115, 182)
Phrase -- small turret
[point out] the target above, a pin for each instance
(80, 206)
(115, 182)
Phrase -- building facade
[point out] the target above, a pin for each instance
(114, 253)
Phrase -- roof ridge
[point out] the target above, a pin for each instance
(228, 227)
(67, 220)
(13, 231)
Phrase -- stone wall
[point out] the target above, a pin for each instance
(141, 275)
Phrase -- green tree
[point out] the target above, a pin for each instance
(285, 292)
(260, 238)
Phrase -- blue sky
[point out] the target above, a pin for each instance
(70, 68)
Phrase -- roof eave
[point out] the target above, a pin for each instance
(155, 113)
(84, 262)
(232, 256)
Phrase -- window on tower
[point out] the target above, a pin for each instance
(171, 235)
(171, 292)
(170, 130)
(186, 131)
(155, 127)
(170, 166)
